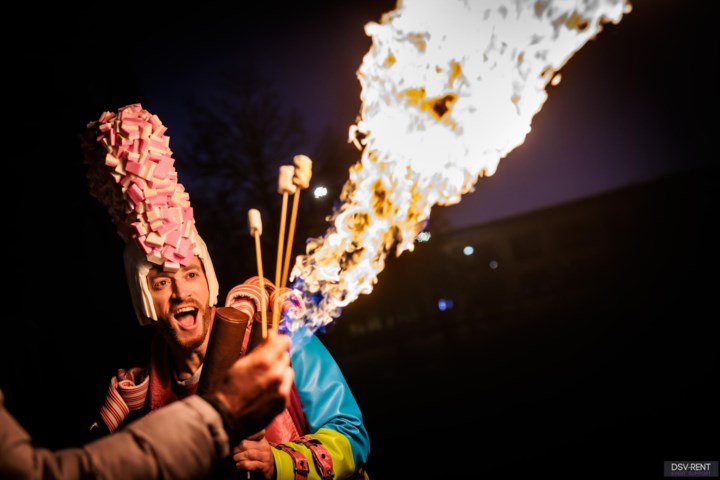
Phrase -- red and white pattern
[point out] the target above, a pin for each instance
(127, 392)
(248, 298)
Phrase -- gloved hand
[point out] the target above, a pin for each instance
(249, 298)
(289, 303)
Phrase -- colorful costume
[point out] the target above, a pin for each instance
(332, 416)
(321, 434)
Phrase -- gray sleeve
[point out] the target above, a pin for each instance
(182, 440)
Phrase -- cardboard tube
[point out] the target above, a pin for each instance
(225, 346)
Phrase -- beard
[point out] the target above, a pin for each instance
(180, 340)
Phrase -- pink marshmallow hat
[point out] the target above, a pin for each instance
(131, 172)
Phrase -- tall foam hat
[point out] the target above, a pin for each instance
(131, 172)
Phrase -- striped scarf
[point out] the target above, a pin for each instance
(128, 390)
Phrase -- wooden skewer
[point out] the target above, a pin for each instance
(263, 307)
(291, 234)
(301, 180)
(278, 264)
(256, 231)
(285, 186)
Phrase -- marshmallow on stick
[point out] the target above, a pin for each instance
(285, 180)
(303, 171)
(301, 179)
(285, 186)
(256, 230)
(255, 222)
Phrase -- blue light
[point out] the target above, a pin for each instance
(445, 304)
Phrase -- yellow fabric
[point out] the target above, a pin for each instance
(336, 444)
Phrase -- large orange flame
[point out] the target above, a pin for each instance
(448, 89)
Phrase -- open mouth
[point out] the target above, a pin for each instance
(186, 317)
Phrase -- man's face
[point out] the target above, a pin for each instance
(181, 300)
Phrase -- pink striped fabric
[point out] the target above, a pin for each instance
(247, 296)
(127, 392)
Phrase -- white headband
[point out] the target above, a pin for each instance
(137, 267)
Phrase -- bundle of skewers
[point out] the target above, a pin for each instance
(291, 180)
(232, 333)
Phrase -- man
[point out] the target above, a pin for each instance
(173, 286)
(187, 439)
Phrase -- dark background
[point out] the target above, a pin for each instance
(591, 351)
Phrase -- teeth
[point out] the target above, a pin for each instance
(184, 310)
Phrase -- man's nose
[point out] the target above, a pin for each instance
(180, 290)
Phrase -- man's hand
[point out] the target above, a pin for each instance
(255, 453)
(257, 387)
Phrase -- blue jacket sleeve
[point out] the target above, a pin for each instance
(331, 411)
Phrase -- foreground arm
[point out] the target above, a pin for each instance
(148, 448)
(185, 439)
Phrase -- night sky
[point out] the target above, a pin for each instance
(630, 106)
(634, 105)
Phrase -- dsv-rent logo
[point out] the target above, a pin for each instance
(691, 469)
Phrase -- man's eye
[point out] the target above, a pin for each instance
(160, 283)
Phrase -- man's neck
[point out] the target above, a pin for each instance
(186, 365)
